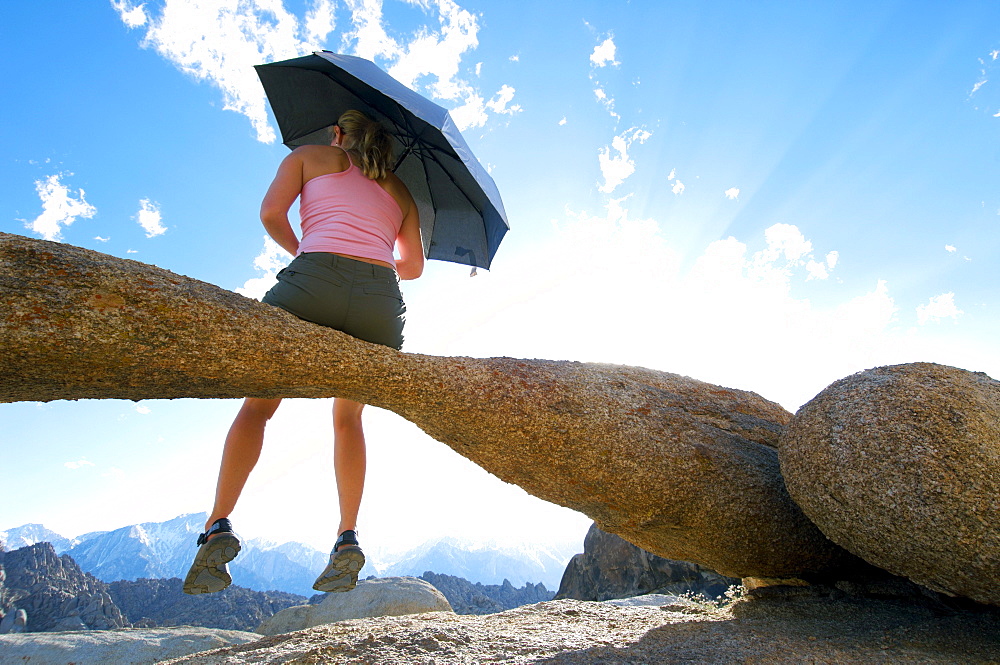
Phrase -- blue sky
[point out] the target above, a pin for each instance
(768, 196)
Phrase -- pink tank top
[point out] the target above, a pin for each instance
(346, 213)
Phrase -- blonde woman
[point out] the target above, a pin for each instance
(354, 212)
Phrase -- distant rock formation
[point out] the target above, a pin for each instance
(116, 647)
(901, 465)
(684, 469)
(161, 603)
(611, 567)
(466, 597)
(12, 620)
(56, 594)
(388, 596)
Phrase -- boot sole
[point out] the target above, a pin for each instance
(209, 573)
(341, 573)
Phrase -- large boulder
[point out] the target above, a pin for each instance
(901, 466)
(120, 647)
(388, 596)
(684, 469)
(611, 567)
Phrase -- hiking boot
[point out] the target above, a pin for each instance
(346, 561)
(216, 547)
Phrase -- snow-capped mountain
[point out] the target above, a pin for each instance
(165, 550)
(29, 534)
(486, 563)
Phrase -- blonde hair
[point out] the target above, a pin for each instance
(371, 140)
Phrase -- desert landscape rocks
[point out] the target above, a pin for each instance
(56, 594)
(901, 466)
(388, 596)
(684, 469)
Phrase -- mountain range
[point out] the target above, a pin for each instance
(162, 550)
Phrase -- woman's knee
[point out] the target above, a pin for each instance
(347, 414)
(259, 408)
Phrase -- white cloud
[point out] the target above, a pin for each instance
(616, 169)
(604, 54)
(950, 248)
(59, 208)
(320, 21)
(132, 16)
(678, 187)
(832, 258)
(563, 121)
(788, 250)
(672, 174)
(499, 104)
(150, 218)
(473, 112)
(937, 308)
(143, 409)
(732, 193)
(101, 238)
(78, 464)
(515, 58)
(219, 40)
(271, 259)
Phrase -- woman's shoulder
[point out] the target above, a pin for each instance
(321, 159)
(319, 151)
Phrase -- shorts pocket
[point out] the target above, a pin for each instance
(385, 289)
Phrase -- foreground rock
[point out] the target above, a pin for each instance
(571, 632)
(389, 596)
(901, 465)
(611, 567)
(684, 469)
(121, 647)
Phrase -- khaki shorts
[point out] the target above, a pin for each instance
(358, 298)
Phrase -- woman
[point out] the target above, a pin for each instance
(354, 210)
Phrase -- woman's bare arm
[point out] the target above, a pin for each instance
(284, 189)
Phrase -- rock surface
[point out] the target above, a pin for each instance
(56, 594)
(611, 567)
(572, 632)
(684, 469)
(388, 596)
(120, 647)
(901, 466)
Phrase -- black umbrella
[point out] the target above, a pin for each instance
(462, 219)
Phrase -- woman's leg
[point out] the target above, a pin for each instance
(240, 455)
(349, 460)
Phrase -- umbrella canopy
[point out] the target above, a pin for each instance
(462, 219)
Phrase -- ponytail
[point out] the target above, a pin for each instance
(371, 141)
